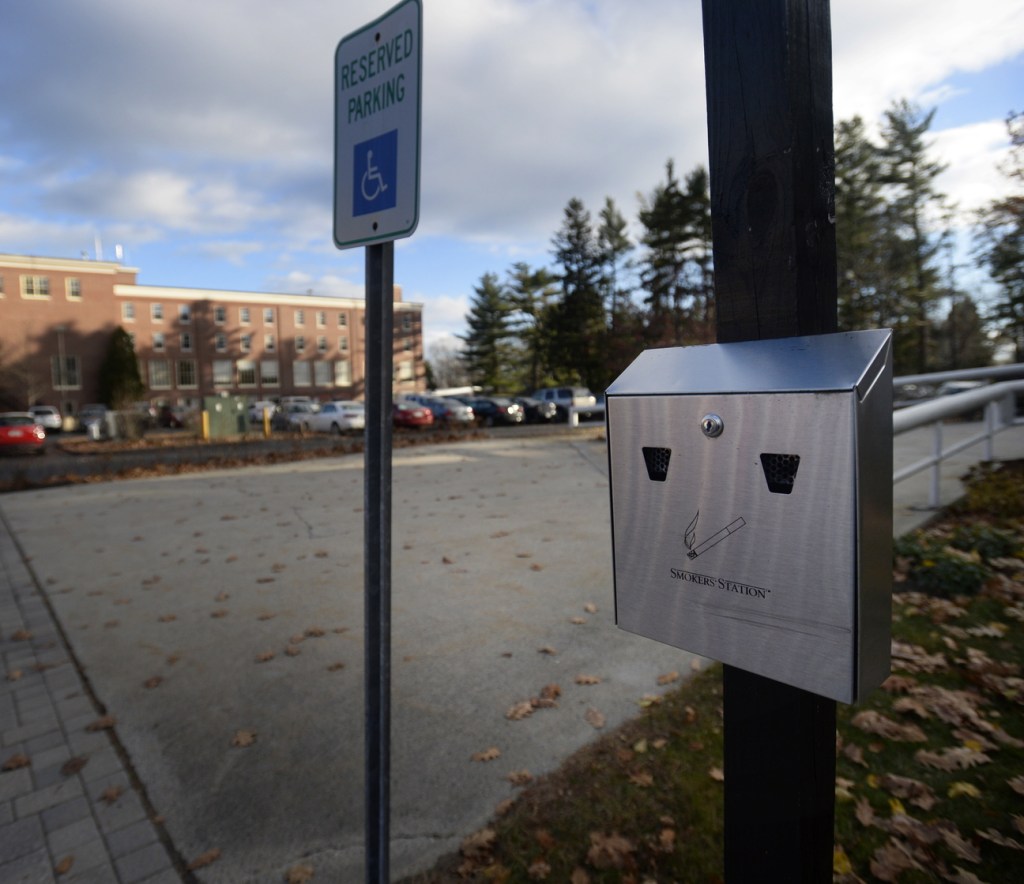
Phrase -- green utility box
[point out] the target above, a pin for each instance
(227, 416)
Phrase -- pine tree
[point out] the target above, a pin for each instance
(1000, 242)
(531, 293)
(120, 381)
(859, 224)
(911, 243)
(488, 351)
(578, 327)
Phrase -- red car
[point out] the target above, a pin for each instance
(411, 415)
(19, 432)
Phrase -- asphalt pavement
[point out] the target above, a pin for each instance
(214, 622)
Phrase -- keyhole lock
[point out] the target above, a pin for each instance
(711, 425)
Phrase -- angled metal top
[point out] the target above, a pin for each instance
(816, 363)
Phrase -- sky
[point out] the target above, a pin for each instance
(198, 136)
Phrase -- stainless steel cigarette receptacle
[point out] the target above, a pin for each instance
(751, 498)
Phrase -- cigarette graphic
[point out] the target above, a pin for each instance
(731, 528)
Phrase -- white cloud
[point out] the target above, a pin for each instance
(973, 154)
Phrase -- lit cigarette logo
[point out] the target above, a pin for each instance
(691, 536)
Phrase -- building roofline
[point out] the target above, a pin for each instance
(125, 290)
(81, 265)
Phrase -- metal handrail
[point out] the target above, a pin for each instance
(998, 400)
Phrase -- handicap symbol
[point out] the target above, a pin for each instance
(372, 177)
(375, 174)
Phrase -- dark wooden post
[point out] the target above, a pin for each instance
(769, 89)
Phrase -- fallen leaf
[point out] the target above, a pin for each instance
(292, 651)
(594, 718)
(917, 793)
(1017, 784)
(73, 765)
(960, 788)
(16, 761)
(299, 875)
(519, 711)
(315, 632)
(219, 614)
(579, 876)
(840, 862)
(547, 649)
(609, 851)
(667, 840)
(545, 840)
(479, 844)
(577, 621)
(204, 859)
(696, 664)
(487, 755)
(536, 566)
(21, 635)
(153, 682)
(538, 871)
(590, 608)
(519, 777)
(336, 667)
(14, 675)
(960, 845)
(668, 678)
(958, 758)
(222, 596)
(891, 860)
(872, 722)
(242, 739)
(64, 866)
(167, 618)
(587, 679)
(550, 692)
(265, 656)
(503, 807)
(104, 723)
(717, 774)
(642, 779)
(998, 838)
(111, 794)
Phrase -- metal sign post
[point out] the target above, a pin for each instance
(376, 200)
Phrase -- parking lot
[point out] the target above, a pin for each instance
(218, 617)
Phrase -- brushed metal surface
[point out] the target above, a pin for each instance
(710, 559)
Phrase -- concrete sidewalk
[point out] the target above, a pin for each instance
(218, 618)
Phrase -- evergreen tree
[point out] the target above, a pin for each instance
(962, 341)
(859, 224)
(578, 328)
(614, 246)
(1000, 242)
(676, 266)
(911, 245)
(120, 381)
(488, 353)
(531, 292)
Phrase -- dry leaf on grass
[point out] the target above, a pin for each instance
(204, 859)
(609, 851)
(917, 793)
(579, 876)
(1017, 784)
(668, 678)
(479, 844)
(538, 870)
(489, 754)
(957, 758)
(717, 774)
(872, 722)
(642, 779)
(998, 838)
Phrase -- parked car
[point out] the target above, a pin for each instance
(293, 416)
(19, 432)
(338, 417)
(47, 417)
(537, 411)
(171, 418)
(566, 398)
(497, 410)
(446, 411)
(411, 415)
(300, 400)
(92, 414)
(256, 410)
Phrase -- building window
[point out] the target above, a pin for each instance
(300, 317)
(322, 374)
(300, 374)
(220, 315)
(246, 373)
(246, 343)
(243, 315)
(35, 287)
(342, 320)
(221, 342)
(343, 343)
(222, 372)
(268, 315)
(321, 319)
(187, 374)
(186, 342)
(65, 374)
(158, 342)
(269, 373)
(321, 344)
(73, 288)
(184, 313)
(343, 373)
(128, 311)
(408, 345)
(1, 286)
(300, 344)
(405, 371)
(157, 312)
(159, 374)
(407, 322)
(269, 344)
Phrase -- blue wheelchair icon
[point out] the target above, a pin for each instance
(375, 173)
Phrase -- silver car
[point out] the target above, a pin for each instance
(338, 417)
(47, 417)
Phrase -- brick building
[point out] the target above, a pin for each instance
(57, 316)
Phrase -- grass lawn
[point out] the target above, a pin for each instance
(930, 768)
